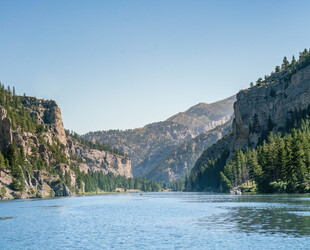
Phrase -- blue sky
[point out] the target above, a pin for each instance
(123, 64)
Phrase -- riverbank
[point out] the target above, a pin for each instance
(99, 192)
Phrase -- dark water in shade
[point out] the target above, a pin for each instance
(157, 221)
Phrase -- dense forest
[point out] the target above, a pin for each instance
(110, 182)
(280, 164)
(93, 145)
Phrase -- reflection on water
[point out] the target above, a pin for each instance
(251, 220)
(158, 220)
(7, 218)
(276, 214)
(54, 206)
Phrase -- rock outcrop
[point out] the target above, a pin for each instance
(38, 184)
(103, 161)
(47, 112)
(269, 108)
(5, 130)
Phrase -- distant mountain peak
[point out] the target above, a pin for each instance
(203, 116)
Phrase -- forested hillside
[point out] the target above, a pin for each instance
(38, 159)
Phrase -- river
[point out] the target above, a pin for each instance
(157, 221)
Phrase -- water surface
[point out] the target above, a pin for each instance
(157, 221)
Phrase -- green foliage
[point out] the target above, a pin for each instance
(58, 153)
(2, 191)
(2, 162)
(95, 145)
(226, 184)
(177, 186)
(284, 73)
(285, 63)
(278, 187)
(98, 181)
(17, 185)
(15, 161)
(208, 178)
(282, 164)
(16, 110)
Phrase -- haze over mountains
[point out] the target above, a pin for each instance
(181, 160)
(149, 145)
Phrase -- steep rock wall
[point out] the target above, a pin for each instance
(260, 110)
(269, 108)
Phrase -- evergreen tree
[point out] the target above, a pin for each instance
(293, 63)
(285, 63)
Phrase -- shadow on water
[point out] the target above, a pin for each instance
(278, 214)
(7, 218)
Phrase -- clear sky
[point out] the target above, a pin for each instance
(123, 64)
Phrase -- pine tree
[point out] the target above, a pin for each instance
(2, 162)
(293, 63)
(285, 63)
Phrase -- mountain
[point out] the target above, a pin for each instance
(203, 117)
(182, 159)
(275, 105)
(149, 145)
(38, 158)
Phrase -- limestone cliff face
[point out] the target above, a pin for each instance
(269, 107)
(103, 161)
(47, 112)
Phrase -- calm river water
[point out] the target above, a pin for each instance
(157, 221)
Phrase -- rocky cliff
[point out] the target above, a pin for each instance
(39, 159)
(47, 112)
(103, 161)
(149, 145)
(271, 105)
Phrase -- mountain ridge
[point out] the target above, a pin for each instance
(148, 145)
